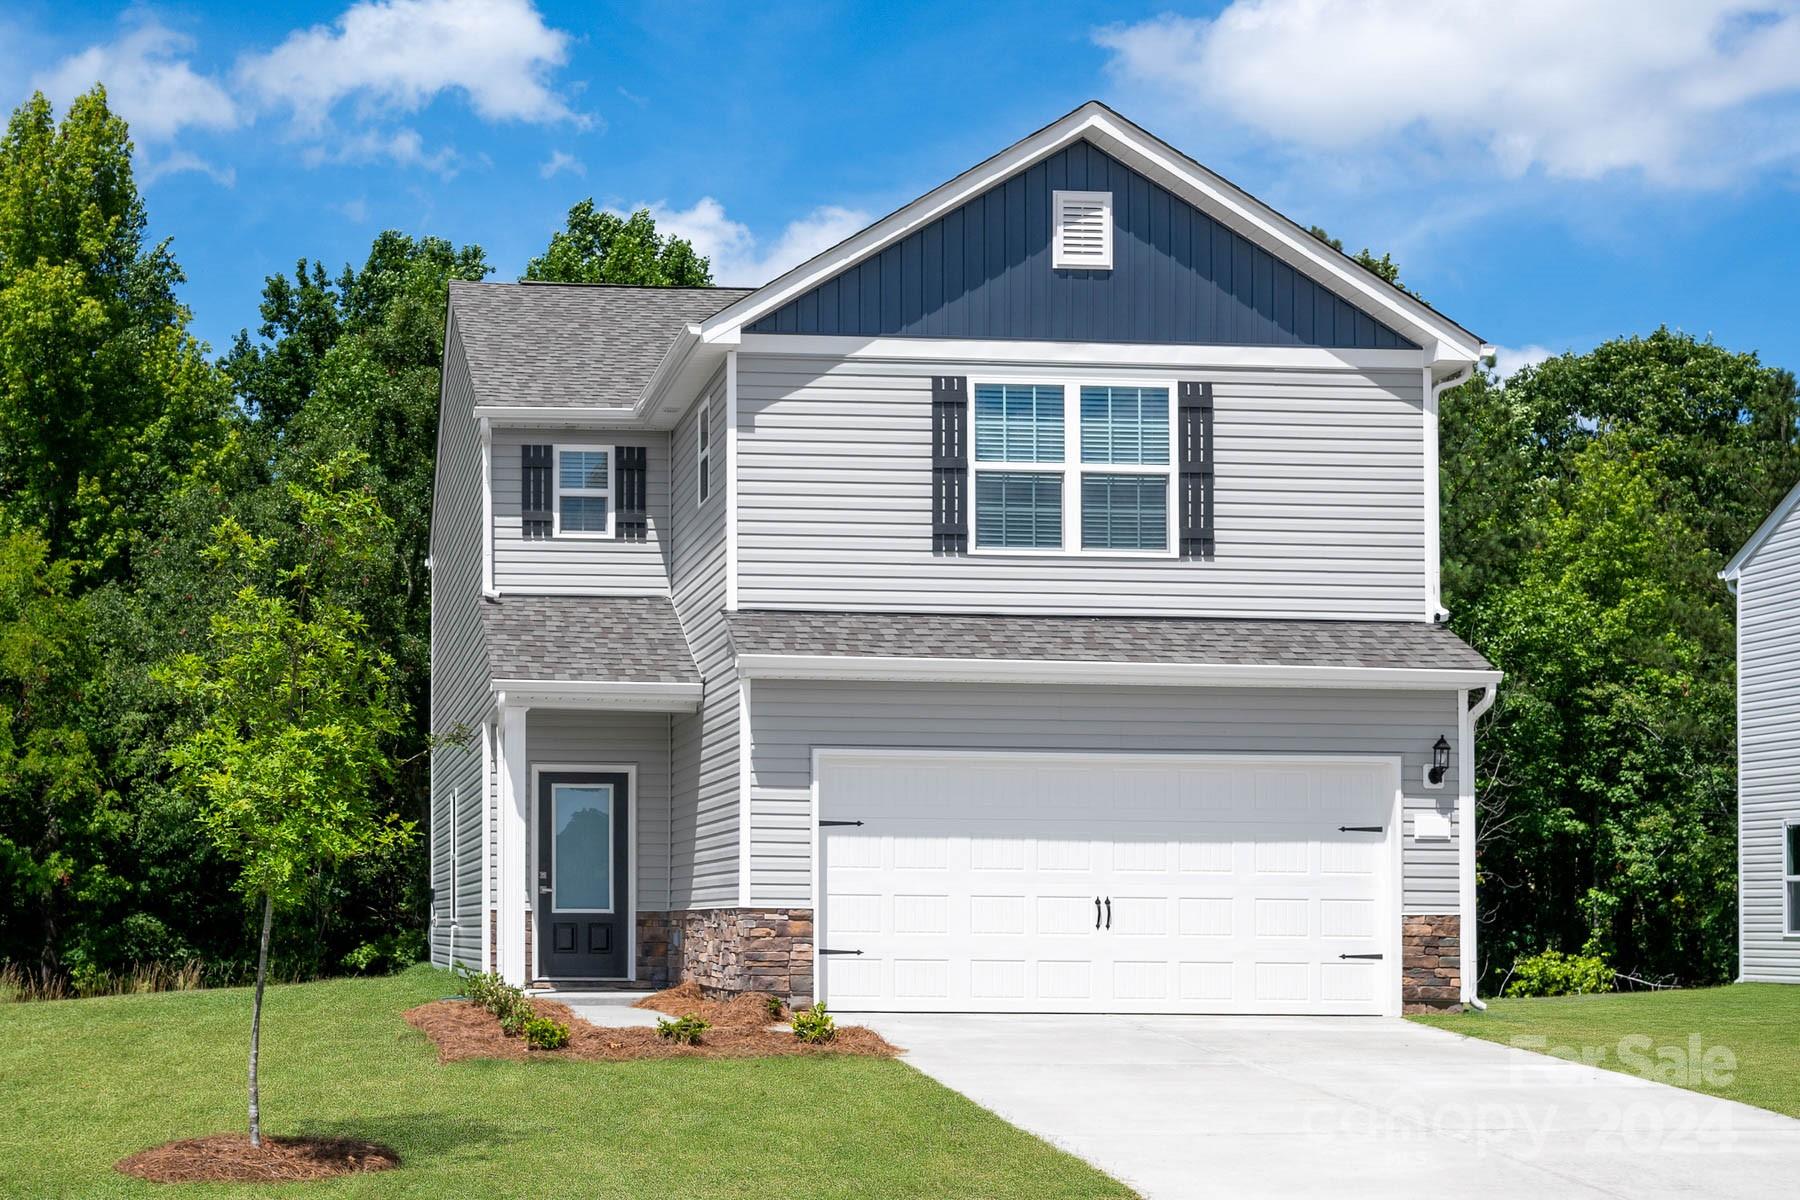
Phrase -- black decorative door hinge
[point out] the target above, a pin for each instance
(1361, 956)
(840, 822)
(824, 951)
(1362, 829)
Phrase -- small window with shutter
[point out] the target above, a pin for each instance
(1084, 231)
(584, 491)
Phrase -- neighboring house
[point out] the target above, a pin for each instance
(1030, 603)
(1765, 576)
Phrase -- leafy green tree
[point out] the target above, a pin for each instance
(59, 826)
(295, 713)
(1588, 504)
(105, 399)
(602, 247)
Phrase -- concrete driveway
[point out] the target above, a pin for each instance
(1344, 1107)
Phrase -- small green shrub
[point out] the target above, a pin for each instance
(541, 1033)
(775, 1008)
(686, 1030)
(1553, 973)
(814, 1024)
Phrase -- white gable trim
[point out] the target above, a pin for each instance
(1735, 567)
(1164, 674)
(1443, 339)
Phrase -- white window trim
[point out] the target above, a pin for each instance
(556, 493)
(703, 488)
(1790, 875)
(1059, 257)
(1072, 469)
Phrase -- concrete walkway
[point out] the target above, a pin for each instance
(608, 1010)
(1344, 1107)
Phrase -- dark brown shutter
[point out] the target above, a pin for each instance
(535, 517)
(949, 464)
(630, 522)
(1195, 430)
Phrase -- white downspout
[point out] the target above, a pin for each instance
(1434, 589)
(1465, 835)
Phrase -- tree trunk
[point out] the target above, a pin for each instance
(262, 971)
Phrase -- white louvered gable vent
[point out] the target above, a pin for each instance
(1084, 228)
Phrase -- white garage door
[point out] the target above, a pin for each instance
(966, 883)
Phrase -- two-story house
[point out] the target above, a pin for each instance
(1765, 577)
(1029, 604)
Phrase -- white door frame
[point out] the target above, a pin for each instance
(629, 770)
(1393, 888)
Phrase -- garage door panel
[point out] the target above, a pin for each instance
(972, 885)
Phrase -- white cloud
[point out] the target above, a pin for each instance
(149, 81)
(398, 55)
(402, 147)
(1686, 92)
(355, 210)
(558, 162)
(177, 162)
(1511, 359)
(738, 257)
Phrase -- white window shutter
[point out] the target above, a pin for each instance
(1083, 231)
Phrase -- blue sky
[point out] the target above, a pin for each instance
(1549, 174)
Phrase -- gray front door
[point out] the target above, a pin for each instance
(584, 890)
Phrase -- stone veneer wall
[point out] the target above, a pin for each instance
(748, 950)
(1431, 962)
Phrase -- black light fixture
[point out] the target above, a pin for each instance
(1440, 759)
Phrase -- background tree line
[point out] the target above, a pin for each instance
(124, 447)
(1588, 504)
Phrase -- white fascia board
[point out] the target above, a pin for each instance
(1788, 504)
(1157, 674)
(633, 697)
(521, 415)
(1078, 354)
(1445, 341)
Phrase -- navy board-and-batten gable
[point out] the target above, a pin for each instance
(984, 270)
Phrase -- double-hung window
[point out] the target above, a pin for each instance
(584, 491)
(1790, 879)
(1125, 468)
(1020, 463)
(1099, 483)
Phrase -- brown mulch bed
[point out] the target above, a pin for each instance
(741, 1029)
(229, 1158)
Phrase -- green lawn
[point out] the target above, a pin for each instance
(1758, 1023)
(86, 1082)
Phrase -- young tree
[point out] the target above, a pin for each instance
(602, 247)
(294, 708)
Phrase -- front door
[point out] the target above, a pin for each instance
(584, 906)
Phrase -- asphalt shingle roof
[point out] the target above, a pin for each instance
(572, 345)
(1401, 644)
(610, 639)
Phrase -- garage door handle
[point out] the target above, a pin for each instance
(1096, 912)
(1109, 912)
(1359, 956)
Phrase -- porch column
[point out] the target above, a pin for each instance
(514, 844)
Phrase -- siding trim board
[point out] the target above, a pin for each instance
(1054, 671)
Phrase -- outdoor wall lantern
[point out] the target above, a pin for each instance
(1440, 759)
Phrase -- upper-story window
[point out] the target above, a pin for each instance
(703, 453)
(1103, 490)
(583, 505)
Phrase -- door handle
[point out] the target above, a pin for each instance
(543, 889)
(1096, 912)
(1109, 912)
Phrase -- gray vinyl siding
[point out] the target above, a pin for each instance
(789, 720)
(609, 566)
(1768, 747)
(1319, 499)
(704, 828)
(459, 677)
(983, 270)
(568, 738)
